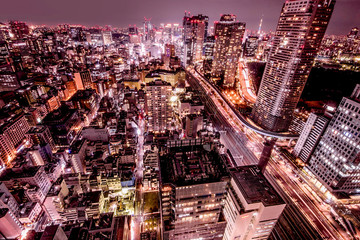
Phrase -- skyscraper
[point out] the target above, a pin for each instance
(158, 107)
(300, 29)
(195, 33)
(228, 38)
(336, 159)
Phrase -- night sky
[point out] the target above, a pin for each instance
(120, 13)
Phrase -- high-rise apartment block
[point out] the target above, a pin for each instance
(252, 206)
(336, 159)
(300, 29)
(195, 33)
(158, 106)
(228, 38)
(310, 136)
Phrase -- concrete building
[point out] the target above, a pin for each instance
(54, 202)
(192, 191)
(83, 80)
(54, 232)
(95, 133)
(41, 135)
(34, 179)
(251, 46)
(310, 136)
(12, 135)
(158, 106)
(7, 200)
(10, 227)
(229, 35)
(193, 124)
(252, 206)
(336, 159)
(77, 155)
(298, 36)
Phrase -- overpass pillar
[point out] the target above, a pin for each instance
(266, 153)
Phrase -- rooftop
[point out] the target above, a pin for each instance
(59, 116)
(255, 187)
(158, 82)
(189, 165)
(10, 174)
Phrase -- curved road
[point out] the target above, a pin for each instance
(240, 117)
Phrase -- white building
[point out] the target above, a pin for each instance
(252, 206)
(10, 227)
(310, 136)
(336, 159)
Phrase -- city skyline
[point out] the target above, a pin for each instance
(198, 130)
(122, 14)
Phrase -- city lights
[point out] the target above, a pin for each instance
(209, 126)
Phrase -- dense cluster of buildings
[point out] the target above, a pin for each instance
(102, 136)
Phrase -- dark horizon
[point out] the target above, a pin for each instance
(121, 14)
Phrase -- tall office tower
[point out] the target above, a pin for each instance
(83, 80)
(336, 159)
(300, 29)
(12, 134)
(148, 28)
(158, 106)
(10, 227)
(228, 38)
(193, 189)
(251, 46)
(195, 32)
(252, 206)
(310, 136)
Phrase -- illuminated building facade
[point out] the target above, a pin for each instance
(228, 38)
(12, 134)
(194, 184)
(336, 160)
(158, 107)
(310, 136)
(195, 33)
(83, 80)
(300, 29)
(251, 46)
